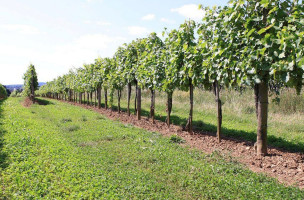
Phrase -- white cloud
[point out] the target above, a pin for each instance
(190, 11)
(99, 23)
(57, 60)
(168, 21)
(148, 17)
(20, 28)
(138, 30)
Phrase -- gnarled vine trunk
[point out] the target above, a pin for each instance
(129, 98)
(106, 98)
(152, 107)
(256, 98)
(118, 99)
(99, 96)
(219, 110)
(189, 125)
(95, 96)
(138, 103)
(91, 97)
(261, 144)
(135, 101)
(169, 107)
(88, 98)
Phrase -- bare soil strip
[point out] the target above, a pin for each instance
(286, 167)
(27, 102)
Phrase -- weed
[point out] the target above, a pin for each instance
(65, 120)
(100, 117)
(108, 138)
(71, 128)
(84, 118)
(176, 139)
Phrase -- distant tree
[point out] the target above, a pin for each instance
(30, 82)
(8, 92)
(3, 93)
(14, 93)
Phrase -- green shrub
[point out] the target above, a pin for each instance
(30, 79)
(15, 93)
(3, 93)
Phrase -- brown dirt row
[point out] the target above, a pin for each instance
(27, 102)
(286, 167)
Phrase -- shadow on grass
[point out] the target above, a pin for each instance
(246, 137)
(3, 155)
(249, 138)
(43, 102)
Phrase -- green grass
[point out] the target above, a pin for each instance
(103, 159)
(285, 124)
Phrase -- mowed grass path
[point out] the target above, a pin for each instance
(60, 151)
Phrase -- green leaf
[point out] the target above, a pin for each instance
(264, 3)
(263, 30)
(250, 32)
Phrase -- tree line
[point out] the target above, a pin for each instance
(245, 44)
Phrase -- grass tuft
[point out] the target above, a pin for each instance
(176, 139)
(65, 120)
(83, 118)
(72, 128)
(100, 117)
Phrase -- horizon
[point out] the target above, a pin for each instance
(22, 83)
(58, 38)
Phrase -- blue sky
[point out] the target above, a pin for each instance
(58, 35)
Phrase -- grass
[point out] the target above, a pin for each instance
(105, 159)
(285, 124)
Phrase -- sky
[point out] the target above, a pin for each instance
(59, 35)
